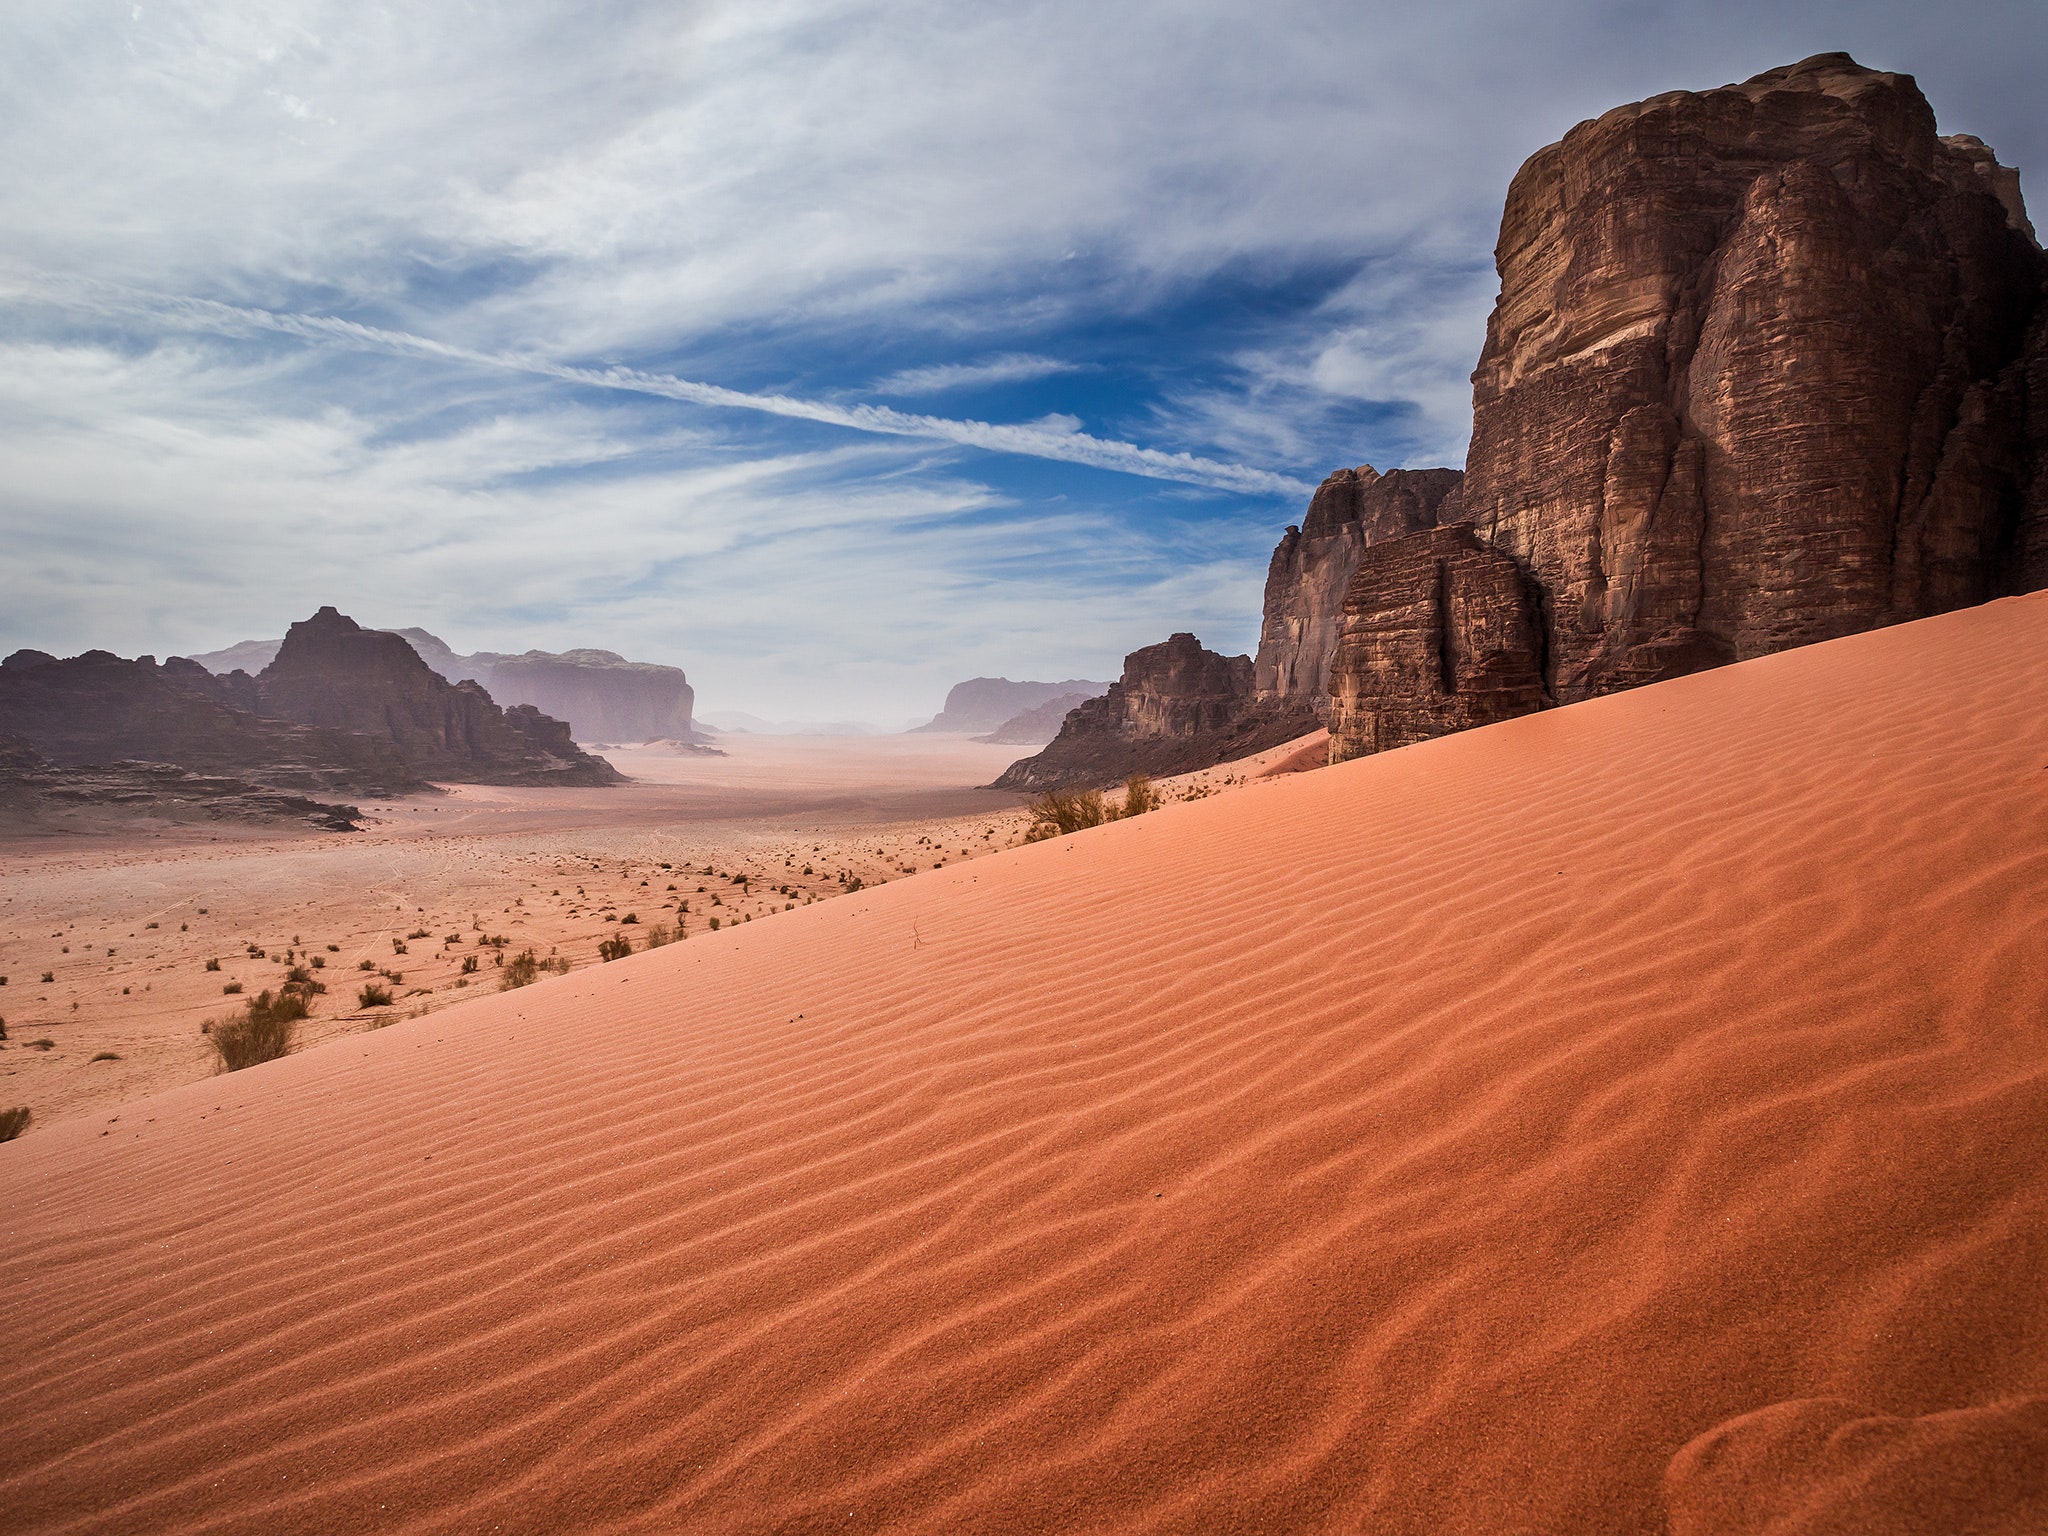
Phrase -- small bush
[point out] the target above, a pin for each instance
(366, 965)
(373, 996)
(1139, 796)
(714, 925)
(42, 1045)
(213, 965)
(49, 976)
(398, 946)
(630, 917)
(658, 935)
(419, 933)
(104, 1056)
(469, 965)
(522, 970)
(615, 949)
(334, 949)
(1060, 811)
(266, 1030)
(13, 1122)
(231, 989)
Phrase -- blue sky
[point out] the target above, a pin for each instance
(833, 351)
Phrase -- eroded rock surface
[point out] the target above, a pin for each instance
(1441, 633)
(1755, 375)
(601, 695)
(333, 673)
(1312, 568)
(1177, 707)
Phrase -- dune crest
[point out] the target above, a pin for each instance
(1443, 1141)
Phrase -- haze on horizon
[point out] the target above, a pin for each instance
(832, 351)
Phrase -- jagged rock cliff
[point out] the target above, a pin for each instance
(1176, 708)
(990, 703)
(332, 672)
(1747, 384)
(1312, 569)
(99, 709)
(1441, 633)
(603, 696)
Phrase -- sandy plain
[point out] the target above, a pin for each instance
(1631, 1118)
(125, 919)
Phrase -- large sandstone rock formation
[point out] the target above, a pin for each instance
(332, 672)
(990, 703)
(1441, 632)
(603, 696)
(1312, 569)
(98, 709)
(1750, 380)
(1176, 708)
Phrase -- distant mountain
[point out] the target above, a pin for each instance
(1036, 727)
(602, 696)
(990, 703)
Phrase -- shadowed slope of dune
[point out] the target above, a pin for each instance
(1566, 1126)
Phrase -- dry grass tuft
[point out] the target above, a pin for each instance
(267, 1029)
(13, 1122)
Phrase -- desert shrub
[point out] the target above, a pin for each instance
(231, 989)
(714, 925)
(366, 965)
(319, 962)
(615, 949)
(213, 965)
(104, 1056)
(398, 946)
(419, 933)
(1060, 811)
(658, 935)
(373, 995)
(267, 1029)
(13, 1122)
(334, 949)
(394, 977)
(469, 965)
(522, 970)
(630, 917)
(42, 1045)
(49, 976)
(1139, 796)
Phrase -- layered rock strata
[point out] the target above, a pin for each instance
(1441, 633)
(1177, 707)
(1755, 375)
(331, 672)
(1313, 565)
(37, 795)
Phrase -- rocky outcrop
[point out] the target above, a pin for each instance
(990, 703)
(1177, 707)
(1754, 378)
(1441, 633)
(602, 696)
(1312, 569)
(333, 673)
(37, 795)
(1036, 727)
(99, 709)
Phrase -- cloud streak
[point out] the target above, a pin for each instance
(1052, 439)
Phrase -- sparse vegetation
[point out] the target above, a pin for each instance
(13, 1122)
(213, 965)
(107, 1055)
(657, 935)
(49, 976)
(366, 965)
(1060, 811)
(615, 949)
(231, 989)
(267, 1029)
(373, 995)
(469, 965)
(523, 969)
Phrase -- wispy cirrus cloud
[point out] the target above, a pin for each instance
(938, 378)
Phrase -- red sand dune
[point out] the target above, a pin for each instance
(1626, 1118)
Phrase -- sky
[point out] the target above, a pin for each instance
(833, 350)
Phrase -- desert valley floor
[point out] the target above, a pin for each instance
(1630, 1118)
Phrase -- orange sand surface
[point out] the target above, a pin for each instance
(1626, 1119)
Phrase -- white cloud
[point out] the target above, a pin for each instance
(1006, 368)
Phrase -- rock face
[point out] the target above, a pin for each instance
(1441, 633)
(37, 795)
(603, 696)
(1036, 727)
(1176, 708)
(100, 709)
(1314, 563)
(990, 703)
(331, 672)
(1754, 378)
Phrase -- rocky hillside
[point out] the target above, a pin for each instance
(1176, 708)
(331, 672)
(1767, 368)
